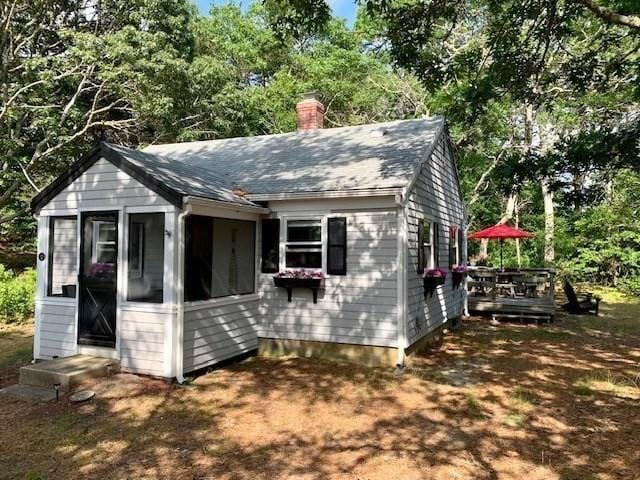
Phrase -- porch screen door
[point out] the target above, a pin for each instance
(98, 279)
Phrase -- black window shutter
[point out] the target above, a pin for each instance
(461, 252)
(420, 246)
(436, 245)
(270, 245)
(337, 246)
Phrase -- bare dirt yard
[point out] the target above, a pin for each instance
(491, 402)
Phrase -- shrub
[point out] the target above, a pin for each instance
(17, 294)
(630, 285)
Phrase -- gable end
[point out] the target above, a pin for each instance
(87, 161)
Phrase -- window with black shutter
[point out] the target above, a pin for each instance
(337, 246)
(270, 245)
(461, 251)
(453, 247)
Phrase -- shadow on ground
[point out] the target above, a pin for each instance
(490, 402)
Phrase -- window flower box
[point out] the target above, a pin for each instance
(457, 275)
(301, 278)
(432, 278)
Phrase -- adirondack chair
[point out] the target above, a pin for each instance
(586, 304)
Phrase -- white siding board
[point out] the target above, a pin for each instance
(216, 333)
(357, 308)
(57, 329)
(142, 339)
(103, 185)
(435, 196)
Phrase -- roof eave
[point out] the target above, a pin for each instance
(364, 192)
(207, 202)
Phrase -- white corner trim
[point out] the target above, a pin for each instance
(401, 259)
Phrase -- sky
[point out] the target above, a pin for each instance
(341, 8)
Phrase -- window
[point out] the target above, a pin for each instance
(304, 244)
(63, 257)
(427, 245)
(104, 248)
(453, 247)
(233, 257)
(146, 257)
(219, 257)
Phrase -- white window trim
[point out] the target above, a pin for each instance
(96, 242)
(284, 221)
(429, 258)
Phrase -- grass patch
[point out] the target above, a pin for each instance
(16, 345)
(514, 419)
(524, 399)
(474, 406)
(606, 382)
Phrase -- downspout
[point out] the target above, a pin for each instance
(401, 259)
(179, 358)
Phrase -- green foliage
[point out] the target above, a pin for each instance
(17, 294)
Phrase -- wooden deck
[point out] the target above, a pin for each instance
(523, 292)
(536, 306)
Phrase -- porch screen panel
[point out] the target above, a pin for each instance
(198, 257)
(63, 257)
(233, 257)
(146, 257)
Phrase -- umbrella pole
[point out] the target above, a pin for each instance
(501, 265)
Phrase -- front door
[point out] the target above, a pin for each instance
(98, 279)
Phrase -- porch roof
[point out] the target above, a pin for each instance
(171, 180)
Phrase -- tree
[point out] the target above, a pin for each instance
(74, 71)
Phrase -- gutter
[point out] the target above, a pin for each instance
(179, 350)
(364, 192)
(190, 201)
(401, 259)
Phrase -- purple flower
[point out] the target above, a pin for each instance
(459, 269)
(300, 273)
(100, 270)
(435, 273)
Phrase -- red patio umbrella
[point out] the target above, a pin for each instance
(500, 232)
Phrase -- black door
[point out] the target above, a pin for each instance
(98, 279)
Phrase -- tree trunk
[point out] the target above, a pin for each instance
(508, 215)
(517, 225)
(549, 222)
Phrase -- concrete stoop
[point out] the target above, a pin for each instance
(37, 381)
(67, 371)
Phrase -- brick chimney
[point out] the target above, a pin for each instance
(310, 113)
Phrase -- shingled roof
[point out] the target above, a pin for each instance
(365, 157)
(381, 155)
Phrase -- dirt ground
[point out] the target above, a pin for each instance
(491, 402)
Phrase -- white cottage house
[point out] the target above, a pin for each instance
(167, 258)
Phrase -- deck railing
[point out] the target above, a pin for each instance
(511, 283)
